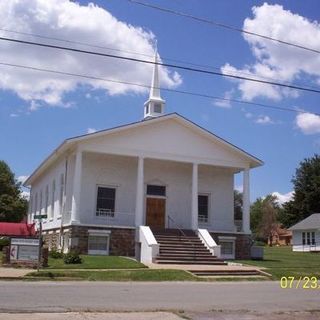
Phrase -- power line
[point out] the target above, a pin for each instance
(162, 64)
(222, 25)
(136, 53)
(164, 89)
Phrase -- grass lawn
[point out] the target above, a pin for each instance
(282, 261)
(97, 262)
(116, 275)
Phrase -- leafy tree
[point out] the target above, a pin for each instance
(264, 214)
(306, 199)
(13, 206)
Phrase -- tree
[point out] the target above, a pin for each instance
(264, 214)
(306, 199)
(13, 206)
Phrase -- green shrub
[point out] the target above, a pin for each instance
(55, 254)
(4, 241)
(259, 243)
(72, 258)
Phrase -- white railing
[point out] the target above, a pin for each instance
(149, 246)
(202, 219)
(208, 241)
(114, 218)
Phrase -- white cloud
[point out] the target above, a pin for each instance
(248, 115)
(25, 194)
(264, 120)
(91, 130)
(239, 188)
(283, 198)
(14, 115)
(224, 103)
(273, 60)
(308, 123)
(22, 179)
(69, 20)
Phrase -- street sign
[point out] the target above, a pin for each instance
(40, 216)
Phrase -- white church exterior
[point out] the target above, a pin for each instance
(105, 192)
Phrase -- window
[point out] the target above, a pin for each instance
(40, 209)
(157, 108)
(313, 239)
(308, 238)
(106, 201)
(203, 208)
(226, 248)
(53, 198)
(153, 190)
(36, 203)
(46, 200)
(61, 193)
(97, 243)
(147, 108)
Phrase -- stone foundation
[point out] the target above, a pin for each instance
(242, 243)
(122, 241)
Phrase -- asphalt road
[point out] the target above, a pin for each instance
(18, 296)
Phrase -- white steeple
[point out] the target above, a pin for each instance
(154, 106)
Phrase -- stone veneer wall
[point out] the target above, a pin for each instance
(242, 243)
(51, 240)
(122, 241)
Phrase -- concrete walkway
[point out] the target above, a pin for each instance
(13, 273)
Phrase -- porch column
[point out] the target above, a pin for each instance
(139, 194)
(194, 197)
(75, 209)
(246, 202)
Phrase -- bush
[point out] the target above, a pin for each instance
(4, 241)
(55, 254)
(72, 258)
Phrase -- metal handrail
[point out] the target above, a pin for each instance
(183, 234)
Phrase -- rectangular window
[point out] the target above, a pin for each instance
(106, 198)
(61, 193)
(147, 109)
(308, 238)
(153, 190)
(40, 209)
(313, 238)
(98, 243)
(36, 203)
(203, 208)
(226, 248)
(46, 200)
(53, 198)
(157, 108)
(303, 238)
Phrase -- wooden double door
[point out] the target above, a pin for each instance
(155, 213)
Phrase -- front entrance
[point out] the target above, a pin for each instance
(155, 213)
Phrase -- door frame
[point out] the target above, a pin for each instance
(156, 183)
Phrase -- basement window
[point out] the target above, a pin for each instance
(98, 242)
(227, 247)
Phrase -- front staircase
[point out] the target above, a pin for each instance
(183, 247)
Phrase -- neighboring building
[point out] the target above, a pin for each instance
(306, 234)
(281, 237)
(163, 172)
(11, 229)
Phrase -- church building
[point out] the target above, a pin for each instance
(127, 190)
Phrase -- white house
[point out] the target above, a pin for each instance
(164, 172)
(306, 234)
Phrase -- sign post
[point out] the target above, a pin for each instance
(40, 217)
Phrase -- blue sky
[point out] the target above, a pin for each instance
(38, 110)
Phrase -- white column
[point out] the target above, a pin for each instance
(139, 194)
(75, 211)
(246, 202)
(194, 197)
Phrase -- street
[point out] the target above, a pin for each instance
(262, 296)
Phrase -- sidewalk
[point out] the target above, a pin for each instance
(13, 273)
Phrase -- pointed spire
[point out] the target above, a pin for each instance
(155, 86)
(154, 106)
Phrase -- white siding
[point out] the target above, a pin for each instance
(297, 240)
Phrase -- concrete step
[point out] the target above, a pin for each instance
(208, 273)
(204, 262)
(181, 242)
(187, 258)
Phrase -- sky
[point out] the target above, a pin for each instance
(38, 110)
